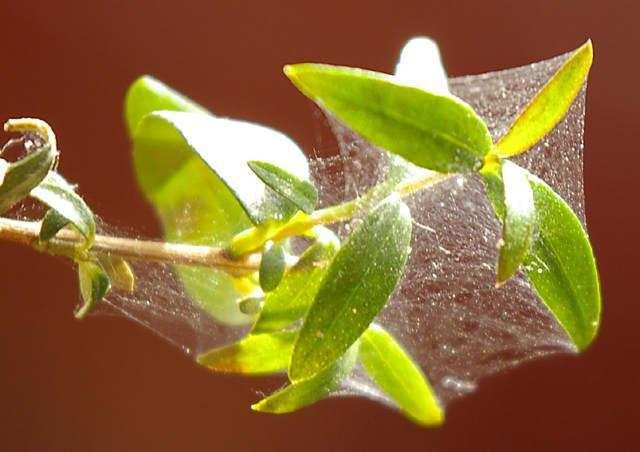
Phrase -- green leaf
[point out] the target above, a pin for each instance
(435, 131)
(255, 354)
(193, 169)
(393, 370)
(119, 271)
(293, 296)
(549, 105)
(147, 94)
(303, 393)
(272, 266)
(251, 305)
(300, 192)
(94, 286)
(25, 174)
(519, 221)
(562, 267)
(357, 285)
(51, 224)
(58, 194)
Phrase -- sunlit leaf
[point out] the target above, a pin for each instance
(119, 271)
(300, 192)
(519, 223)
(562, 267)
(393, 370)
(272, 267)
(4, 166)
(147, 94)
(25, 174)
(94, 286)
(59, 195)
(357, 284)
(300, 394)
(293, 296)
(549, 105)
(193, 168)
(255, 354)
(435, 131)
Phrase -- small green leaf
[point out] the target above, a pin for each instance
(58, 194)
(549, 105)
(358, 283)
(562, 267)
(303, 393)
(147, 94)
(293, 296)
(300, 192)
(119, 271)
(435, 131)
(51, 224)
(25, 174)
(272, 266)
(519, 222)
(193, 168)
(94, 286)
(391, 368)
(251, 305)
(255, 354)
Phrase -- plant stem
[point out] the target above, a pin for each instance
(69, 243)
(253, 239)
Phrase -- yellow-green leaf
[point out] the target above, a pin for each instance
(51, 223)
(549, 106)
(94, 286)
(358, 283)
(435, 131)
(393, 370)
(300, 394)
(562, 268)
(119, 271)
(259, 354)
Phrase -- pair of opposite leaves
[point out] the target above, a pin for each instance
(403, 120)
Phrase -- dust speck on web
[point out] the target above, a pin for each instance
(447, 312)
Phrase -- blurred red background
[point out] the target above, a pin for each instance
(107, 384)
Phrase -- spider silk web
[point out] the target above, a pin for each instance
(446, 311)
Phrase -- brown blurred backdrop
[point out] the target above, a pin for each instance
(107, 384)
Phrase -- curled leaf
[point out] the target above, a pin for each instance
(51, 224)
(358, 283)
(119, 271)
(549, 105)
(25, 174)
(59, 195)
(299, 192)
(300, 394)
(94, 286)
(272, 266)
(435, 131)
(259, 354)
(393, 370)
